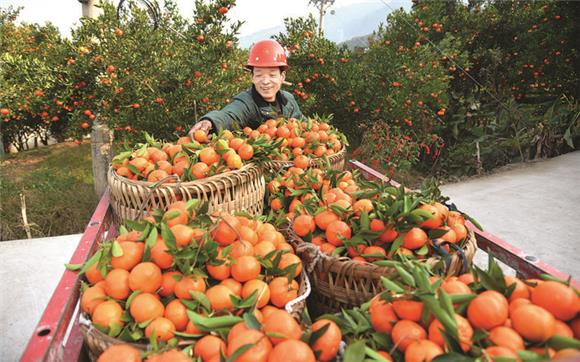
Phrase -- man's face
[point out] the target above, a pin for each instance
(268, 82)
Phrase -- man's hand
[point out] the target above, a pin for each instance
(203, 125)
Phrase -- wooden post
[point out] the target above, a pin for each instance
(102, 152)
(89, 8)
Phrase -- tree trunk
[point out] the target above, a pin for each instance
(102, 152)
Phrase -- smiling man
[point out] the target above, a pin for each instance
(265, 100)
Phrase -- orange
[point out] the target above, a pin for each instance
(281, 324)
(389, 235)
(263, 248)
(219, 272)
(383, 315)
(433, 222)
(262, 291)
(225, 232)
(93, 274)
(422, 351)
(466, 278)
(455, 287)
(132, 255)
(200, 170)
(175, 217)
(145, 277)
(237, 330)
(247, 234)
(162, 327)
(498, 351)
(208, 347)
(460, 231)
(567, 354)
(257, 353)
(209, 156)
(120, 353)
(241, 248)
(234, 285)
(408, 309)
(488, 310)
(464, 332)
(192, 329)
(517, 303)
(219, 297)
(575, 325)
(108, 313)
(281, 292)
(328, 343)
(246, 268)
(534, 323)
(200, 136)
(520, 291)
(337, 230)
(302, 162)
(562, 329)
(385, 355)
(117, 284)
(292, 351)
(183, 234)
(362, 205)
(146, 306)
(288, 260)
(325, 218)
(187, 284)
(405, 332)
(160, 256)
(91, 298)
(506, 337)
(303, 224)
(414, 238)
(558, 299)
(449, 236)
(176, 312)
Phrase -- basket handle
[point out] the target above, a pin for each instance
(154, 187)
(438, 246)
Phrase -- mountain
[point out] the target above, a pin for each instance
(347, 22)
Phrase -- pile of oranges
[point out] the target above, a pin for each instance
(188, 159)
(532, 319)
(332, 210)
(297, 139)
(178, 263)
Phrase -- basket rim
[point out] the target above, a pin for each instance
(230, 175)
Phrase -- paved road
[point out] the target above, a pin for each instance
(29, 272)
(533, 206)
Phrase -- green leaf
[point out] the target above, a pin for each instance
(201, 298)
(239, 352)
(355, 352)
(391, 285)
(95, 258)
(318, 333)
(117, 249)
(453, 357)
(73, 267)
(561, 342)
(149, 243)
(251, 321)
(405, 275)
(424, 250)
(168, 237)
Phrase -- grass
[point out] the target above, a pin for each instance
(57, 183)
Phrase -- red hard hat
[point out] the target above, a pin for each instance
(267, 53)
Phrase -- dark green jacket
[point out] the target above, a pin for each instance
(249, 109)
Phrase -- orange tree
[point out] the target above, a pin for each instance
(31, 81)
(137, 77)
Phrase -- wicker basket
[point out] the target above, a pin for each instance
(340, 282)
(239, 190)
(337, 162)
(97, 341)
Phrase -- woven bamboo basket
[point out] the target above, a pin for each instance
(337, 162)
(97, 341)
(340, 282)
(239, 190)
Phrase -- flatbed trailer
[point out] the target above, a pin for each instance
(57, 336)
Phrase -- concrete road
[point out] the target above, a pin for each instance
(29, 272)
(533, 206)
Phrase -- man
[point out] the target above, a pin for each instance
(268, 65)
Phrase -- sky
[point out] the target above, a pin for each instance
(257, 14)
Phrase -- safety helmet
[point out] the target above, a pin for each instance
(267, 53)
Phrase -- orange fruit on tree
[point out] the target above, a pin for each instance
(132, 255)
(246, 268)
(120, 353)
(408, 309)
(557, 298)
(291, 350)
(329, 342)
(281, 324)
(146, 306)
(91, 298)
(464, 332)
(405, 332)
(533, 322)
(497, 351)
(219, 297)
(262, 291)
(176, 312)
(422, 351)
(303, 224)
(261, 346)
(117, 284)
(506, 337)
(282, 292)
(336, 231)
(383, 315)
(414, 238)
(208, 347)
(162, 327)
(488, 310)
(108, 313)
(145, 277)
(187, 284)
